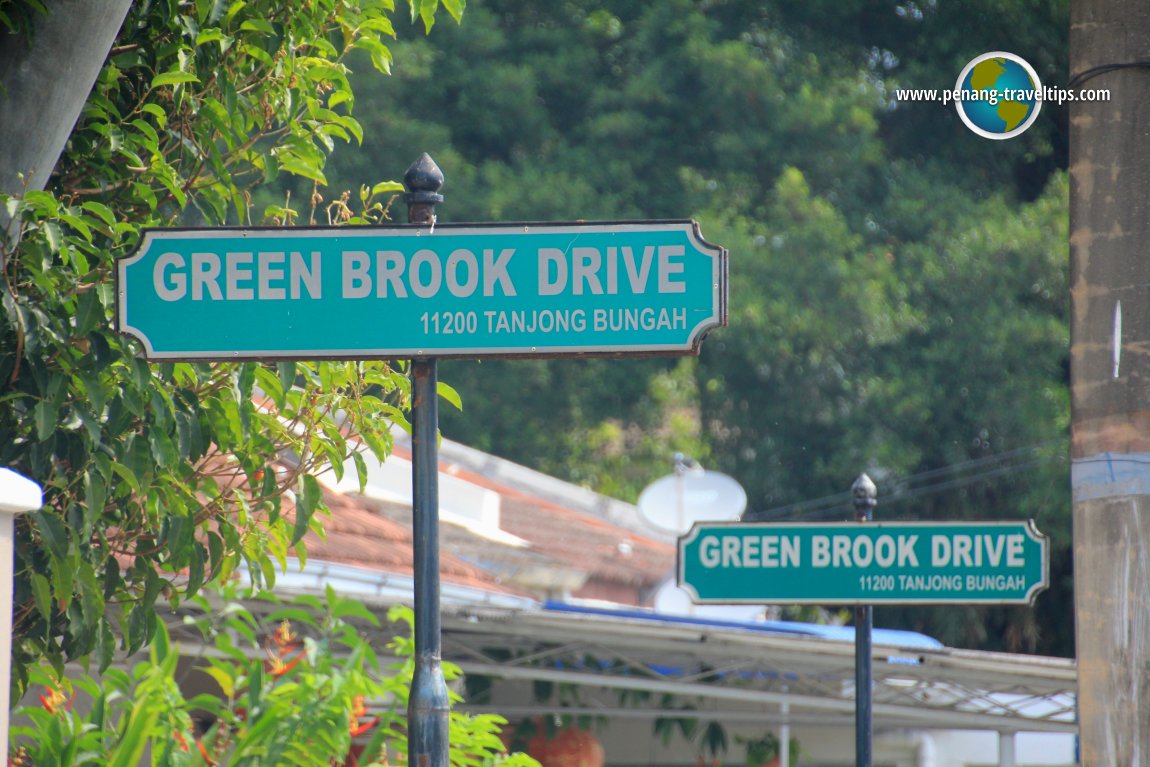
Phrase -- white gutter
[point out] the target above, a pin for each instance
(380, 587)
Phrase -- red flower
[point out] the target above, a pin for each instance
(277, 666)
(204, 753)
(358, 712)
(54, 700)
(279, 645)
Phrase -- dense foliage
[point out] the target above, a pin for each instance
(898, 284)
(898, 299)
(160, 478)
(282, 684)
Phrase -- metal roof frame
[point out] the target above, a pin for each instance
(773, 672)
(731, 673)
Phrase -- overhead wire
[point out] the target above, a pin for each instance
(911, 487)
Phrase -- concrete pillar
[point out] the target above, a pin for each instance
(44, 82)
(1006, 756)
(1110, 377)
(17, 496)
(785, 735)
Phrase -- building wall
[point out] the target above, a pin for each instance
(629, 740)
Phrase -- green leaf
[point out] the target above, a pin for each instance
(258, 53)
(224, 679)
(270, 384)
(149, 131)
(258, 25)
(155, 110)
(180, 540)
(126, 474)
(206, 36)
(52, 530)
(380, 54)
(380, 24)
(100, 210)
(449, 394)
(173, 78)
(360, 468)
(714, 739)
(196, 568)
(163, 449)
(79, 224)
(91, 597)
(42, 594)
(89, 312)
(134, 741)
(308, 497)
(44, 415)
(105, 650)
(387, 186)
(95, 496)
(287, 373)
(455, 8)
(425, 10)
(216, 554)
(153, 585)
(53, 235)
(296, 615)
(350, 608)
(293, 163)
(172, 184)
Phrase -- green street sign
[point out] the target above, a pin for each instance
(412, 291)
(863, 563)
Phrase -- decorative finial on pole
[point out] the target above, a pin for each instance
(864, 496)
(422, 181)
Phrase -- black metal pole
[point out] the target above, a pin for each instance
(864, 495)
(429, 708)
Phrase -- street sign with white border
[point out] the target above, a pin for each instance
(863, 563)
(450, 290)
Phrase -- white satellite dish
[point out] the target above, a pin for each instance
(675, 502)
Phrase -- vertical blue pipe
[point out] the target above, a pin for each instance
(864, 495)
(428, 707)
(864, 726)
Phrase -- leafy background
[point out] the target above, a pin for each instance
(160, 478)
(898, 284)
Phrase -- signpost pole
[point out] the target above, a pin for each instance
(428, 707)
(864, 495)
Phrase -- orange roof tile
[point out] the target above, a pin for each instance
(356, 535)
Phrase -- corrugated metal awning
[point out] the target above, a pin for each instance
(730, 672)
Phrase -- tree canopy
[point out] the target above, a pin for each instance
(898, 284)
(160, 478)
(898, 299)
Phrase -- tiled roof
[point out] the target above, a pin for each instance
(358, 535)
(598, 547)
(606, 551)
(521, 568)
(543, 547)
(565, 550)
